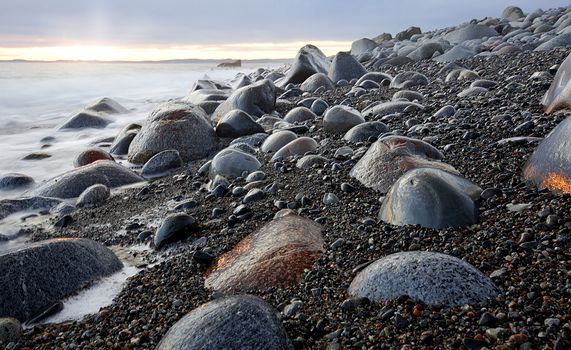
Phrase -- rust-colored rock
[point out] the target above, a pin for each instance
(274, 256)
(558, 97)
(91, 155)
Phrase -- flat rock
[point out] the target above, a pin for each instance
(433, 278)
(317, 81)
(297, 147)
(345, 67)
(274, 256)
(174, 125)
(277, 140)
(237, 123)
(49, 271)
(339, 119)
(299, 115)
(431, 198)
(233, 163)
(162, 163)
(308, 61)
(391, 107)
(391, 157)
(236, 322)
(12, 206)
(72, 183)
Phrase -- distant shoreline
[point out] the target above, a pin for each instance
(174, 61)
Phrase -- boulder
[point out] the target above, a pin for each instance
(72, 183)
(93, 196)
(254, 140)
(162, 163)
(310, 161)
(299, 115)
(362, 46)
(408, 79)
(86, 119)
(106, 105)
(120, 146)
(425, 51)
(233, 163)
(42, 273)
(362, 132)
(433, 198)
(237, 123)
(274, 256)
(174, 125)
(256, 99)
(277, 140)
(391, 157)
(408, 33)
(91, 155)
(512, 13)
(308, 61)
(558, 97)
(14, 181)
(236, 322)
(469, 32)
(317, 81)
(345, 67)
(561, 40)
(297, 147)
(339, 119)
(381, 38)
(429, 277)
(456, 53)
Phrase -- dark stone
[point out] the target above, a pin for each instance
(174, 228)
(13, 181)
(91, 155)
(408, 79)
(12, 206)
(93, 196)
(162, 163)
(120, 145)
(107, 105)
(86, 119)
(237, 123)
(345, 66)
(256, 100)
(299, 115)
(317, 81)
(233, 163)
(308, 61)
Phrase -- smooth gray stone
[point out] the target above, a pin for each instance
(12, 206)
(361, 46)
(240, 81)
(456, 53)
(256, 99)
(121, 143)
(277, 140)
(297, 147)
(236, 322)
(431, 198)
(425, 51)
(316, 81)
(205, 84)
(433, 278)
(174, 125)
(408, 95)
(308, 61)
(445, 112)
(390, 108)
(512, 13)
(472, 92)
(319, 106)
(374, 76)
(299, 115)
(381, 38)
(93, 196)
(174, 227)
(311, 161)
(408, 79)
(339, 119)
(237, 123)
(72, 183)
(483, 83)
(207, 99)
(107, 105)
(364, 131)
(394, 62)
(12, 181)
(408, 33)
(558, 96)
(233, 163)
(161, 164)
(86, 119)
(345, 66)
(36, 276)
(469, 32)
(254, 140)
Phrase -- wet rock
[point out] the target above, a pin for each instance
(93, 196)
(433, 278)
(237, 123)
(364, 131)
(274, 256)
(550, 164)
(339, 119)
(391, 157)
(37, 156)
(330, 199)
(49, 271)
(431, 198)
(277, 140)
(13, 181)
(469, 32)
(107, 105)
(86, 119)
(174, 125)
(12, 206)
(72, 183)
(297, 147)
(174, 228)
(308, 61)
(162, 163)
(391, 107)
(91, 155)
(256, 100)
(408, 79)
(120, 145)
(236, 322)
(345, 66)
(10, 330)
(299, 115)
(319, 106)
(233, 163)
(317, 81)
(558, 97)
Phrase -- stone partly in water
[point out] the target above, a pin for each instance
(107, 105)
(431, 198)
(49, 271)
(72, 183)
(174, 125)
(120, 146)
(550, 164)
(12, 206)
(274, 256)
(256, 100)
(13, 181)
(277, 140)
(237, 123)
(392, 156)
(433, 278)
(308, 61)
(297, 147)
(235, 322)
(93, 196)
(162, 164)
(339, 119)
(558, 97)
(233, 163)
(345, 67)
(174, 228)
(91, 155)
(86, 119)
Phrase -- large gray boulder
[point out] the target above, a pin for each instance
(425, 51)
(72, 183)
(233, 163)
(362, 46)
(308, 61)
(456, 53)
(256, 99)
(236, 322)
(561, 40)
(317, 81)
(35, 277)
(433, 278)
(162, 164)
(431, 198)
(512, 13)
(345, 67)
(408, 79)
(174, 125)
(237, 123)
(469, 32)
(339, 119)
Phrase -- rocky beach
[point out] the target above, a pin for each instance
(412, 193)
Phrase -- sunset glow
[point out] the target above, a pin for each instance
(155, 53)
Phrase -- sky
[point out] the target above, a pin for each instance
(217, 29)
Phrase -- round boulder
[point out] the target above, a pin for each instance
(93, 196)
(433, 278)
(256, 99)
(162, 163)
(174, 228)
(339, 119)
(91, 155)
(469, 32)
(297, 147)
(299, 115)
(316, 81)
(237, 123)
(345, 67)
(233, 163)
(13, 181)
(364, 131)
